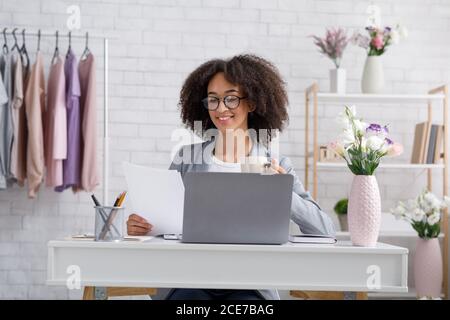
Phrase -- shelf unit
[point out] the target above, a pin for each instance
(437, 95)
(345, 235)
(385, 165)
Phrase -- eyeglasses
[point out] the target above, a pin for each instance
(231, 102)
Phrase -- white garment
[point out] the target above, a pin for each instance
(222, 166)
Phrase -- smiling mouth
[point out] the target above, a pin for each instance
(225, 118)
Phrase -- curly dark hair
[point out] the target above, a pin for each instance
(258, 79)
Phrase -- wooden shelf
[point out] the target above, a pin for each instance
(378, 98)
(436, 97)
(385, 165)
(345, 235)
(411, 294)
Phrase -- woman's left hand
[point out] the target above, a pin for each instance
(277, 168)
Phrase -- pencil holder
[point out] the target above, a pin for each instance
(109, 223)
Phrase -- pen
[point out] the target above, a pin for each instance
(121, 199)
(94, 198)
(116, 203)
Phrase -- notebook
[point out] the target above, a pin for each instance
(91, 237)
(312, 238)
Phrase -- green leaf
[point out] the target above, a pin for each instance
(341, 206)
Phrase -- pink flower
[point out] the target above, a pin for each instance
(377, 41)
(333, 44)
(394, 150)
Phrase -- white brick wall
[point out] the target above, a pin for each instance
(159, 43)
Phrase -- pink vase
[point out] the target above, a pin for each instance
(364, 211)
(428, 268)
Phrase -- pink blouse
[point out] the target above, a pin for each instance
(89, 168)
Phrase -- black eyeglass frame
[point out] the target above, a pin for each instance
(205, 101)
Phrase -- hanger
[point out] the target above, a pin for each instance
(56, 53)
(86, 51)
(39, 41)
(23, 49)
(5, 44)
(15, 46)
(70, 43)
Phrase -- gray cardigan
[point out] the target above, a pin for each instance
(305, 212)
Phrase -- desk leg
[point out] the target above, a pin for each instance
(329, 295)
(95, 293)
(351, 295)
(88, 293)
(103, 293)
(100, 293)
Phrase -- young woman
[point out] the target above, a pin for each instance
(238, 96)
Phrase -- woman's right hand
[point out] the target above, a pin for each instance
(138, 226)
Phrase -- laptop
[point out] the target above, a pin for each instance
(240, 208)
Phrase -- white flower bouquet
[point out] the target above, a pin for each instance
(362, 145)
(423, 212)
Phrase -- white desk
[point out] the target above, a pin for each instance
(165, 263)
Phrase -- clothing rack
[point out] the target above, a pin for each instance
(86, 36)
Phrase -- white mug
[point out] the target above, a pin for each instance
(255, 164)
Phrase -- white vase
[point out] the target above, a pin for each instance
(428, 268)
(337, 80)
(373, 76)
(364, 211)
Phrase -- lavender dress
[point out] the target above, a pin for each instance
(72, 164)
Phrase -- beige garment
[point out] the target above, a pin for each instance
(17, 160)
(55, 130)
(34, 102)
(89, 168)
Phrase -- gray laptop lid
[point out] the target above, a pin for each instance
(236, 208)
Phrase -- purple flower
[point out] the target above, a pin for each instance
(360, 40)
(389, 141)
(377, 129)
(333, 44)
(373, 127)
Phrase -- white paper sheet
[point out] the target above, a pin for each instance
(157, 195)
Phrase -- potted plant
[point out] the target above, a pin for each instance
(376, 43)
(425, 213)
(333, 46)
(362, 146)
(341, 210)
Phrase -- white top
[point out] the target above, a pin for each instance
(222, 166)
